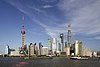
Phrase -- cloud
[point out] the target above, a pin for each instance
(85, 18)
(85, 15)
(35, 32)
(72, 5)
(98, 38)
(54, 31)
(47, 6)
(49, 1)
(35, 14)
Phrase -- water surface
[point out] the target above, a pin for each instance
(62, 62)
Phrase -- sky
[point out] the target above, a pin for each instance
(47, 19)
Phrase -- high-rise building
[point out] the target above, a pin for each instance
(59, 44)
(49, 44)
(72, 50)
(66, 44)
(35, 48)
(25, 47)
(67, 49)
(69, 35)
(77, 48)
(62, 41)
(40, 47)
(44, 51)
(54, 45)
(7, 51)
(36, 51)
(80, 48)
(31, 49)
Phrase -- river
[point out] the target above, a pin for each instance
(62, 62)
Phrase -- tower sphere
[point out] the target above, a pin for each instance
(22, 31)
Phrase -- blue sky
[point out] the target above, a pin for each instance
(47, 19)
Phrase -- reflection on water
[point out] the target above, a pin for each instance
(17, 62)
(20, 64)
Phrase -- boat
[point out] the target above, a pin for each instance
(78, 58)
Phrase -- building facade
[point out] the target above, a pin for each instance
(69, 35)
(44, 51)
(54, 45)
(77, 48)
(31, 50)
(62, 41)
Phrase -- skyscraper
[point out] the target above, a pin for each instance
(59, 44)
(40, 47)
(69, 35)
(54, 46)
(7, 51)
(62, 41)
(31, 49)
(44, 51)
(77, 47)
(50, 44)
(68, 44)
(67, 49)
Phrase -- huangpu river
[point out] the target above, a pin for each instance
(55, 62)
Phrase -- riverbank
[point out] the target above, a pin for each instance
(44, 57)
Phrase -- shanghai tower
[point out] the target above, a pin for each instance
(69, 35)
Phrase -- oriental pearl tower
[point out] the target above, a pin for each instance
(23, 33)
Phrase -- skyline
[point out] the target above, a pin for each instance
(47, 19)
